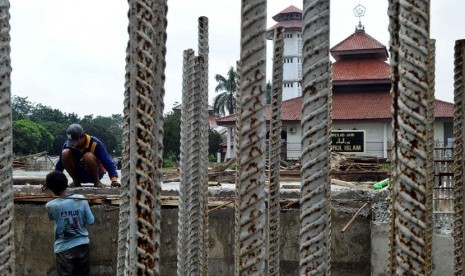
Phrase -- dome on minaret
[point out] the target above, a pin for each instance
(290, 18)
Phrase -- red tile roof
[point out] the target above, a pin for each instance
(367, 105)
(288, 24)
(290, 9)
(359, 43)
(353, 70)
(365, 65)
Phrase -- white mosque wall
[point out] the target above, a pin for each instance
(377, 137)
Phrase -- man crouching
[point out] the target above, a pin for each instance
(85, 159)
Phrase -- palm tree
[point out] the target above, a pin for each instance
(226, 101)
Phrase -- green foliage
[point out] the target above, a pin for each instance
(20, 107)
(58, 131)
(212, 158)
(107, 129)
(168, 163)
(30, 137)
(41, 128)
(172, 135)
(225, 101)
(214, 142)
(268, 92)
(42, 113)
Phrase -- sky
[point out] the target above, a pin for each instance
(70, 55)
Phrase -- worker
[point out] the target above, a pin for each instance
(85, 159)
(71, 214)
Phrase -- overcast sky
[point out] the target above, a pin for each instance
(70, 55)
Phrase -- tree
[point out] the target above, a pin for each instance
(21, 107)
(214, 141)
(30, 137)
(43, 113)
(107, 129)
(226, 101)
(172, 135)
(58, 131)
(268, 92)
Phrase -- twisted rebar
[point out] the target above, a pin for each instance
(204, 129)
(430, 156)
(393, 13)
(122, 264)
(250, 205)
(410, 206)
(275, 153)
(459, 129)
(184, 176)
(316, 128)
(238, 170)
(7, 246)
(159, 23)
(147, 33)
(195, 189)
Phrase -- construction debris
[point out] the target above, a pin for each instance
(34, 162)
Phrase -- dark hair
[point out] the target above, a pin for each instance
(56, 181)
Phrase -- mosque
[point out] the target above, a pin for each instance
(361, 100)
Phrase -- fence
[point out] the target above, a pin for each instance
(443, 187)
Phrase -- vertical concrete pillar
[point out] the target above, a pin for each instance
(147, 34)
(7, 249)
(459, 130)
(250, 200)
(393, 13)
(185, 168)
(316, 129)
(204, 130)
(195, 188)
(122, 264)
(275, 153)
(412, 209)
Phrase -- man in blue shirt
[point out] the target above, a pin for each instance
(85, 159)
(71, 214)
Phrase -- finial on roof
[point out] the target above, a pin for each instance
(359, 11)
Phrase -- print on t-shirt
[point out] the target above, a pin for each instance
(71, 223)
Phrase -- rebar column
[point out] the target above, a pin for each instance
(430, 154)
(185, 173)
(459, 130)
(393, 12)
(238, 111)
(275, 153)
(250, 201)
(204, 129)
(7, 246)
(147, 34)
(316, 129)
(123, 241)
(411, 207)
(195, 200)
(159, 24)
(237, 138)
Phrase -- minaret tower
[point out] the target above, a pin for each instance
(291, 19)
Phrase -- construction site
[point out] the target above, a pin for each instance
(359, 222)
(259, 214)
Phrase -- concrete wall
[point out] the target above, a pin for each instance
(443, 251)
(34, 242)
(376, 137)
(362, 249)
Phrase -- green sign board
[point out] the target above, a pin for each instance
(348, 141)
